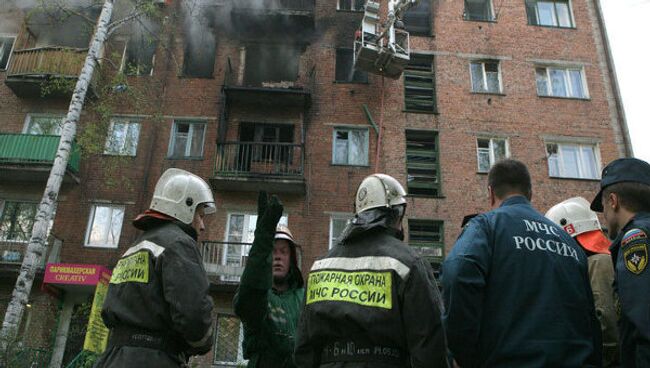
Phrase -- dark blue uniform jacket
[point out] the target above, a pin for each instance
(517, 293)
(630, 253)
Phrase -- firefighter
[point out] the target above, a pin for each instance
(271, 291)
(516, 287)
(582, 224)
(157, 307)
(624, 200)
(372, 301)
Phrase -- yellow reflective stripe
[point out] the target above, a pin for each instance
(134, 268)
(367, 288)
(375, 263)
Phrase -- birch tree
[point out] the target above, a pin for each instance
(36, 247)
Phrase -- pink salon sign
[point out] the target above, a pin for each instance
(74, 274)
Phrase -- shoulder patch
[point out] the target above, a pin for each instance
(632, 235)
(636, 258)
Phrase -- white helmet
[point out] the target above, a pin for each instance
(379, 190)
(574, 216)
(179, 192)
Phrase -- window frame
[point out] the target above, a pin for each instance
(3, 206)
(30, 116)
(567, 80)
(483, 62)
(492, 158)
(438, 177)
(352, 7)
(240, 350)
(11, 51)
(138, 74)
(91, 222)
(109, 135)
(190, 134)
(367, 144)
(535, 3)
(492, 14)
(434, 104)
(436, 245)
(595, 148)
(337, 217)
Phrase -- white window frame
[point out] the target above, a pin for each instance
(13, 47)
(581, 169)
(334, 217)
(190, 134)
(91, 221)
(485, 83)
(240, 350)
(29, 116)
(491, 150)
(556, 20)
(109, 136)
(567, 80)
(123, 63)
(348, 129)
(352, 7)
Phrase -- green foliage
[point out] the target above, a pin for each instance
(13, 354)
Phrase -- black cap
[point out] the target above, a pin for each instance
(630, 170)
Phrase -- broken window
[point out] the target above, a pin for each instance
(345, 71)
(490, 151)
(199, 55)
(52, 27)
(417, 20)
(264, 139)
(479, 10)
(422, 163)
(419, 87)
(6, 46)
(350, 146)
(485, 76)
(353, 5)
(187, 140)
(139, 56)
(271, 64)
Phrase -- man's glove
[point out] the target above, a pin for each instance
(269, 213)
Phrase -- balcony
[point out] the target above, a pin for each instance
(251, 166)
(12, 253)
(29, 158)
(224, 262)
(46, 71)
(267, 17)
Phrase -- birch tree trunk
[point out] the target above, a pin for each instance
(37, 243)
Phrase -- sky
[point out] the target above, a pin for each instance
(626, 23)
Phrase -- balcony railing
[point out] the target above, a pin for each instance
(47, 61)
(249, 159)
(225, 260)
(12, 252)
(27, 149)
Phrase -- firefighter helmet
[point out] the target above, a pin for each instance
(379, 190)
(179, 192)
(574, 216)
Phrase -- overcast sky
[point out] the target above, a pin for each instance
(627, 27)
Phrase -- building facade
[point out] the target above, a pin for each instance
(257, 95)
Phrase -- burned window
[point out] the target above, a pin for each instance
(266, 143)
(417, 20)
(419, 85)
(6, 45)
(345, 71)
(198, 56)
(51, 27)
(271, 64)
(139, 56)
(422, 163)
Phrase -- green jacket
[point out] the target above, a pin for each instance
(601, 275)
(270, 317)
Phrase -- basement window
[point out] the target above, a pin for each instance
(17, 220)
(550, 13)
(139, 56)
(427, 239)
(6, 47)
(104, 226)
(490, 151)
(419, 87)
(351, 5)
(573, 161)
(479, 10)
(350, 147)
(345, 71)
(417, 20)
(122, 139)
(422, 163)
(187, 140)
(486, 76)
(271, 64)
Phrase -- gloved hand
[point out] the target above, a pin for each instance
(269, 213)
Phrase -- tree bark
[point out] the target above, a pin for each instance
(37, 243)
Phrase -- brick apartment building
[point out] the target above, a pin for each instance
(266, 97)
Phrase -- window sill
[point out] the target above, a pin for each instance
(349, 11)
(482, 172)
(421, 112)
(183, 158)
(429, 196)
(480, 20)
(346, 82)
(566, 98)
(488, 93)
(578, 179)
(350, 165)
(100, 247)
(552, 27)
